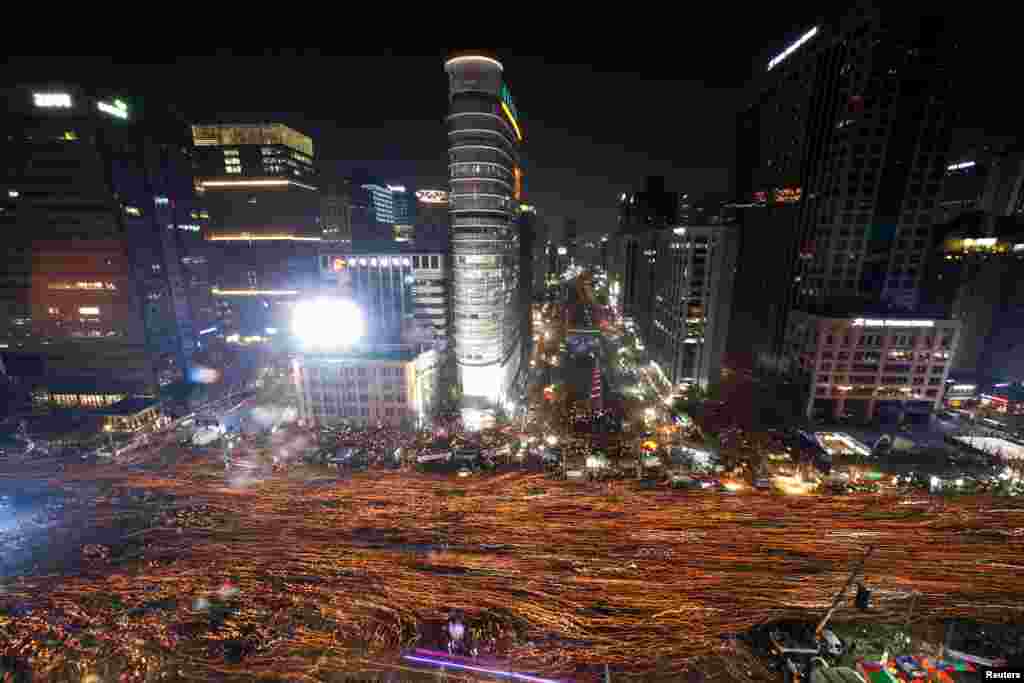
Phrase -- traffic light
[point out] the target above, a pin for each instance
(863, 599)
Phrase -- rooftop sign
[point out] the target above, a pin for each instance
(60, 100)
(793, 47)
(867, 322)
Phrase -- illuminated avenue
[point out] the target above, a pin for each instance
(276, 410)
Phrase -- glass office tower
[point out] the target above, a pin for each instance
(483, 139)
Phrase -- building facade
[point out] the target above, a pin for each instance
(527, 223)
(103, 260)
(975, 278)
(382, 198)
(845, 151)
(404, 205)
(483, 147)
(677, 285)
(260, 187)
(404, 297)
(432, 221)
(336, 212)
(760, 308)
(652, 207)
(391, 385)
(853, 126)
(872, 367)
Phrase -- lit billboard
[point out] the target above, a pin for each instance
(508, 106)
(432, 196)
(787, 195)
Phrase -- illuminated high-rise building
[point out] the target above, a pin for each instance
(102, 296)
(383, 202)
(404, 205)
(262, 192)
(843, 157)
(483, 142)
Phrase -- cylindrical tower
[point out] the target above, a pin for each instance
(483, 158)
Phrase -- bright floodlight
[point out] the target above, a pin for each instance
(328, 323)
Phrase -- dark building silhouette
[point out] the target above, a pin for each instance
(103, 281)
(850, 126)
(977, 260)
(651, 207)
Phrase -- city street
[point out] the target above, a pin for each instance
(302, 568)
(171, 559)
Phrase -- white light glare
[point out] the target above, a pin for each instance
(328, 323)
(960, 166)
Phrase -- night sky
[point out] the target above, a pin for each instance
(594, 124)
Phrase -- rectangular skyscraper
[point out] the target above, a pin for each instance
(850, 129)
(261, 188)
(852, 125)
(101, 231)
(483, 147)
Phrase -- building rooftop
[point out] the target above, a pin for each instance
(403, 354)
(86, 385)
(860, 307)
(230, 134)
(130, 406)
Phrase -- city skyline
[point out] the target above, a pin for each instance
(597, 366)
(392, 135)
